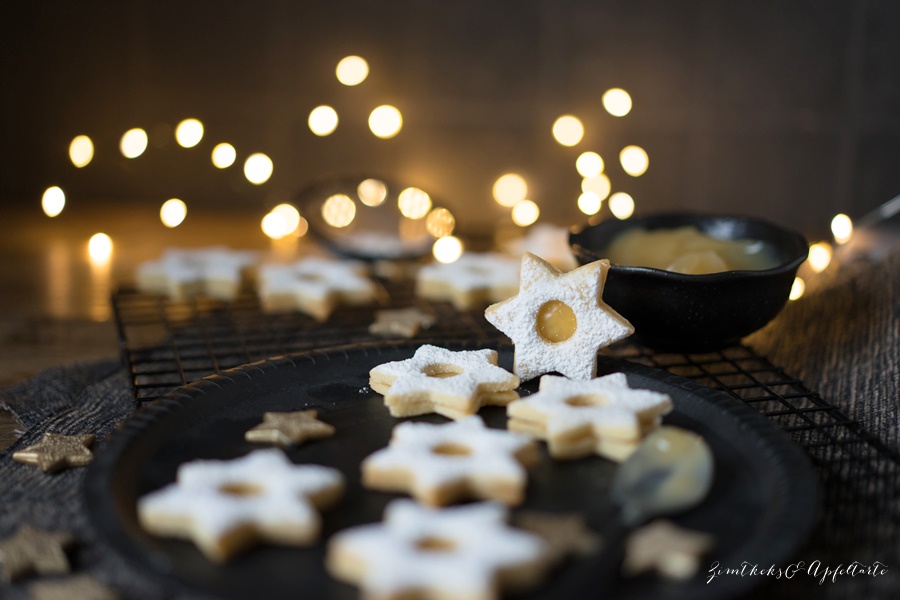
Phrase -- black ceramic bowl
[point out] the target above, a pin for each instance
(695, 313)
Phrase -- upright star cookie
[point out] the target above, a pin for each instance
(443, 464)
(314, 286)
(473, 279)
(34, 551)
(289, 429)
(418, 552)
(225, 506)
(453, 384)
(558, 321)
(662, 546)
(602, 416)
(56, 452)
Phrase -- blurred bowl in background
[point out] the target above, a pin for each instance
(695, 313)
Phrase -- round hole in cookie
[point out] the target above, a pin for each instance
(239, 488)
(556, 321)
(435, 544)
(442, 371)
(451, 449)
(583, 400)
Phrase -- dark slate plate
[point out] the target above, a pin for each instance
(761, 509)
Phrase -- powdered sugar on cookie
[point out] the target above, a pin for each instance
(224, 506)
(602, 416)
(461, 552)
(314, 286)
(558, 321)
(454, 384)
(442, 464)
(475, 278)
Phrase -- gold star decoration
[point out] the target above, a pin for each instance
(83, 586)
(289, 428)
(56, 452)
(403, 322)
(564, 535)
(33, 550)
(672, 551)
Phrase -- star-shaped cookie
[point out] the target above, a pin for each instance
(217, 272)
(289, 428)
(32, 550)
(602, 416)
(451, 462)
(81, 587)
(451, 383)
(417, 552)
(558, 321)
(402, 322)
(672, 551)
(475, 278)
(226, 506)
(314, 286)
(56, 452)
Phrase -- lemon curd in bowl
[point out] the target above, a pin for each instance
(704, 310)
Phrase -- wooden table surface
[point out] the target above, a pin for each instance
(54, 305)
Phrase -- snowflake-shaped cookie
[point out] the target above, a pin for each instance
(475, 278)
(453, 384)
(443, 464)
(217, 272)
(558, 321)
(314, 286)
(418, 552)
(602, 416)
(225, 506)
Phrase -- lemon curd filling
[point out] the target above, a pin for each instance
(556, 321)
(688, 250)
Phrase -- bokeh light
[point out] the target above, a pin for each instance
(100, 249)
(133, 143)
(842, 228)
(797, 289)
(510, 189)
(275, 225)
(352, 70)
(621, 205)
(223, 155)
(323, 120)
(819, 256)
(589, 164)
(568, 130)
(258, 168)
(385, 121)
(172, 212)
(302, 227)
(598, 184)
(372, 192)
(525, 213)
(617, 102)
(188, 133)
(589, 203)
(440, 222)
(447, 249)
(339, 210)
(81, 151)
(53, 201)
(634, 160)
(291, 216)
(414, 203)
